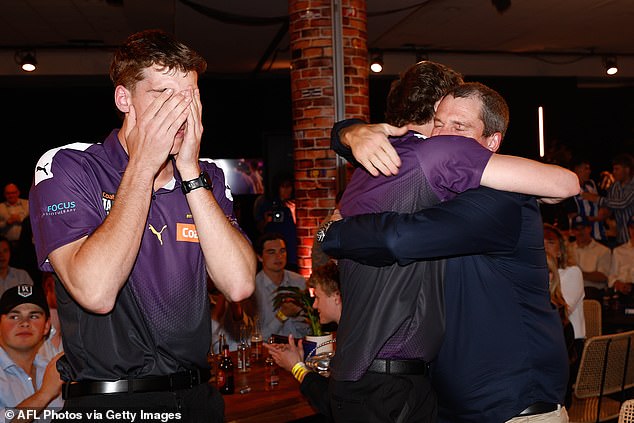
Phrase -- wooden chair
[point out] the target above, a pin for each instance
(627, 412)
(592, 314)
(606, 368)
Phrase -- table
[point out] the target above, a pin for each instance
(283, 403)
(615, 321)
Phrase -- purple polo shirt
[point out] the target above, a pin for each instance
(451, 165)
(160, 323)
(398, 311)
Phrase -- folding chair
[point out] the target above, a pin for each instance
(605, 368)
(592, 314)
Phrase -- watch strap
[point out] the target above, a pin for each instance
(203, 181)
(321, 232)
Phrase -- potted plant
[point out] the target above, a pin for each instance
(303, 299)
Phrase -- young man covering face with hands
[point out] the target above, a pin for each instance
(133, 227)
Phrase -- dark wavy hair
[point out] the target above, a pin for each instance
(152, 48)
(412, 97)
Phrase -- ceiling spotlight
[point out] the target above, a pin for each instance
(376, 64)
(26, 60)
(610, 65)
(501, 5)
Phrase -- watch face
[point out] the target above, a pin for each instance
(207, 179)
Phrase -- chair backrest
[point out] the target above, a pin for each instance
(626, 414)
(606, 366)
(592, 314)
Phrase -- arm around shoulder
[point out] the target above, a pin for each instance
(518, 174)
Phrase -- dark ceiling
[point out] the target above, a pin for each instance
(529, 38)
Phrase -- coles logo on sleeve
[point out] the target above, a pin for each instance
(186, 232)
(107, 199)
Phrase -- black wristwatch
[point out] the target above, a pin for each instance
(203, 181)
(321, 232)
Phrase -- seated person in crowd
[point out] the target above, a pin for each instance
(592, 257)
(12, 212)
(559, 302)
(271, 251)
(325, 282)
(26, 379)
(53, 343)
(622, 268)
(10, 276)
(571, 282)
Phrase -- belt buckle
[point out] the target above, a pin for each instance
(539, 408)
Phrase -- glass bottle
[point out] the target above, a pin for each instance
(271, 371)
(243, 356)
(224, 377)
(246, 337)
(256, 342)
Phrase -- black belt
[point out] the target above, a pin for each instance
(539, 408)
(399, 367)
(181, 380)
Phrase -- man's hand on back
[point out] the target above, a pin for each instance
(371, 148)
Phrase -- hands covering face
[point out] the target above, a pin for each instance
(190, 148)
(165, 121)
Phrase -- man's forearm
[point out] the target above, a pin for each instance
(617, 202)
(37, 402)
(229, 257)
(461, 226)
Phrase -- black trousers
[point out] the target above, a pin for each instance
(202, 403)
(381, 398)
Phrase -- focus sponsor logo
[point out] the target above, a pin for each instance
(186, 232)
(59, 208)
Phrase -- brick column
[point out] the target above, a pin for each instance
(313, 100)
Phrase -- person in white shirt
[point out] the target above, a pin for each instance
(622, 268)
(27, 381)
(592, 257)
(271, 252)
(571, 280)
